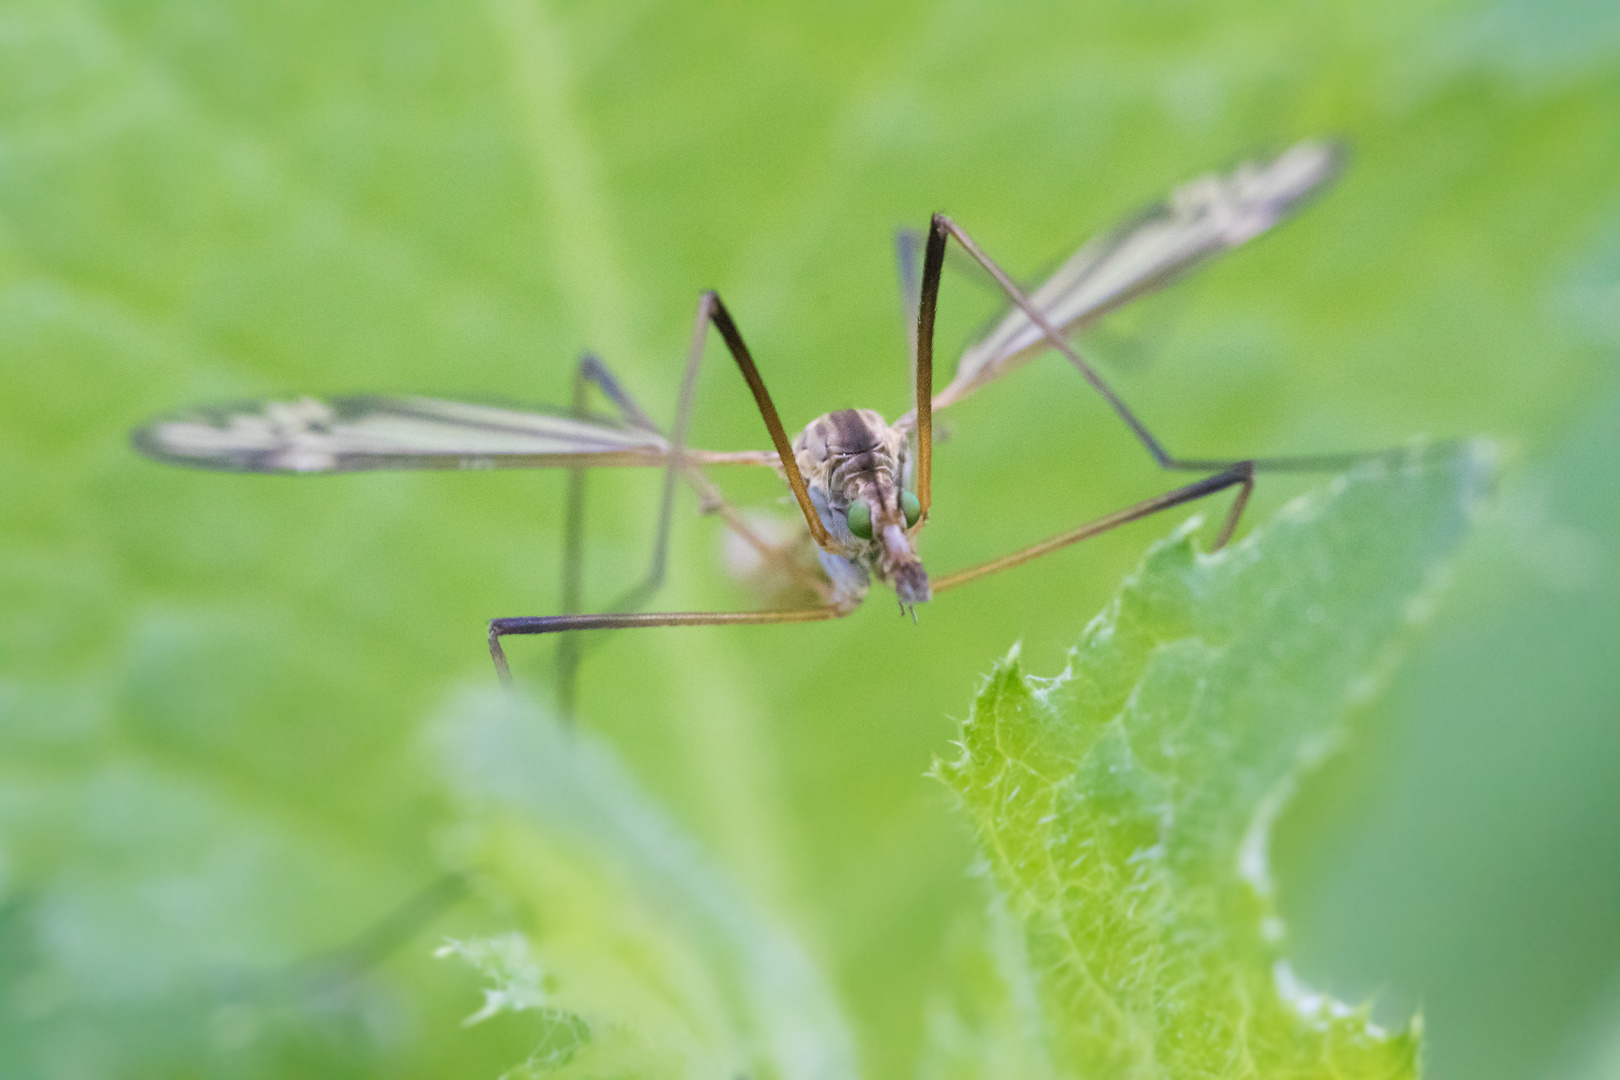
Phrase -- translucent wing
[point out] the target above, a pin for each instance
(1200, 219)
(355, 433)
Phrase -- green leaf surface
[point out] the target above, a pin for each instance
(654, 963)
(1124, 808)
(213, 688)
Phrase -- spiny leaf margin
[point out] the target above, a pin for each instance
(1123, 808)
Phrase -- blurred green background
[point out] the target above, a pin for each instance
(213, 687)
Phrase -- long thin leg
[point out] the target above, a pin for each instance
(570, 648)
(711, 499)
(1240, 474)
(666, 498)
(943, 226)
(592, 371)
(573, 554)
(554, 624)
(710, 309)
(927, 305)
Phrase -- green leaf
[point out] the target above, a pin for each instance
(208, 684)
(517, 979)
(636, 954)
(1124, 807)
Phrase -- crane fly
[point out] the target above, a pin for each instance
(862, 483)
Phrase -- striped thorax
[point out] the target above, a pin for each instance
(856, 466)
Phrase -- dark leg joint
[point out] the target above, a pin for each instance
(1242, 473)
(498, 654)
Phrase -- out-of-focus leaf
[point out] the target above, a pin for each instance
(516, 985)
(1592, 1049)
(638, 934)
(1124, 807)
(1499, 739)
(209, 685)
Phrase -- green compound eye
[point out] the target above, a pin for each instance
(859, 516)
(912, 508)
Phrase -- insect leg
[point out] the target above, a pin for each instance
(555, 624)
(711, 499)
(943, 227)
(573, 574)
(592, 372)
(1240, 475)
(927, 305)
(710, 309)
(666, 498)
(570, 647)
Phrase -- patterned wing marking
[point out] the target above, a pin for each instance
(1200, 219)
(355, 433)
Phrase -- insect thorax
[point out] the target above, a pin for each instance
(849, 453)
(854, 454)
